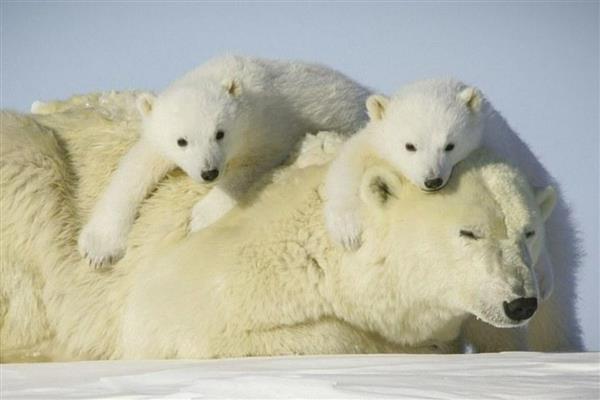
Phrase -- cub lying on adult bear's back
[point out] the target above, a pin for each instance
(225, 123)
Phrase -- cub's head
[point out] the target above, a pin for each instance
(427, 128)
(470, 248)
(198, 128)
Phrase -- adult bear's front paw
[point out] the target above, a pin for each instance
(101, 247)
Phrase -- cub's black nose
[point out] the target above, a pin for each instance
(520, 309)
(210, 176)
(433, 183)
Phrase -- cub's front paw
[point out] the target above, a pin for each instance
(345, 228)
(100, 247)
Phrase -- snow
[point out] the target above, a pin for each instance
(490, 376)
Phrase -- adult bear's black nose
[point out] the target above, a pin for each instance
(210, 175)
(433, 183)
(521, 308)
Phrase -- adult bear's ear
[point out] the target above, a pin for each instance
(376, 105)
(472, 98)
(145, 103)
(232, 86)
(546, 200)
(379, 186)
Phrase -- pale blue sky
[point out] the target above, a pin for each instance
(537, 62)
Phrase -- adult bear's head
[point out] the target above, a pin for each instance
(470, 248)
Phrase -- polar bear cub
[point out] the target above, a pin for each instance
(423, 131)
(225, 124)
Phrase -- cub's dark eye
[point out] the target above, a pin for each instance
(181, 142)
(220, 135)
(529, 234)
(410, 147)
(468, 234)
(449, 147)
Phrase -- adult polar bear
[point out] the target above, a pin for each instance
(268, 281)
(49, 300)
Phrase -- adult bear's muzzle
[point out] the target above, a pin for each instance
(520, 309)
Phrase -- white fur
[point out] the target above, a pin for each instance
(430, 115)
(105, 234)
(263, 107)
(264, 280)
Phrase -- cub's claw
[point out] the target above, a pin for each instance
(202, 216)
(199, 220)
(101, 249)
(350, 242)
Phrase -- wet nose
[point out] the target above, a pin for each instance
(210, 175)
(521, 308)
(433, 183)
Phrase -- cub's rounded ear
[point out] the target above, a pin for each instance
(145, 103)
(232, 86)
(376, 105)
(379, 186)
(472, 98)
(546, 200)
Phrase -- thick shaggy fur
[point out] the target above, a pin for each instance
(265, 280)
(226, 123)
